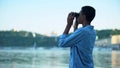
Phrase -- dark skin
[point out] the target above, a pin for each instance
(81, 19)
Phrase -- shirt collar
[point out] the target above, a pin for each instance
(89, 26)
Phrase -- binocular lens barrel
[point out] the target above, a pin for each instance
(76, 14)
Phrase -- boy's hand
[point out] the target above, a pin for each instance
(70, 18)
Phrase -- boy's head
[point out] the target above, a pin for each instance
(87, 13)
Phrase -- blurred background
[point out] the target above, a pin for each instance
(29, 32)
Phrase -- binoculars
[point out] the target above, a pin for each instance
(76, 14)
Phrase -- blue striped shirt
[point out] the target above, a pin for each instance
(81, 44)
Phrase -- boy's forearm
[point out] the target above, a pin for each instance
(75, 26)
(67, 29)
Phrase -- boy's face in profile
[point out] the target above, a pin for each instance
(81, 17)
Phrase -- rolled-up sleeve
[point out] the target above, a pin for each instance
(71, 40)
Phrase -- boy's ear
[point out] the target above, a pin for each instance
(84, 17)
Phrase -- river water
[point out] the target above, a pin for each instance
(53, 58)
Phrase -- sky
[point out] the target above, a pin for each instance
(46, 16)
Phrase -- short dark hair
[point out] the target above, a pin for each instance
(89, 12)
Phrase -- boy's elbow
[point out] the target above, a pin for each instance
(61, 44)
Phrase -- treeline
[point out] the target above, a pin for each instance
(101, 34)
(25, 39)
(28, 39)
